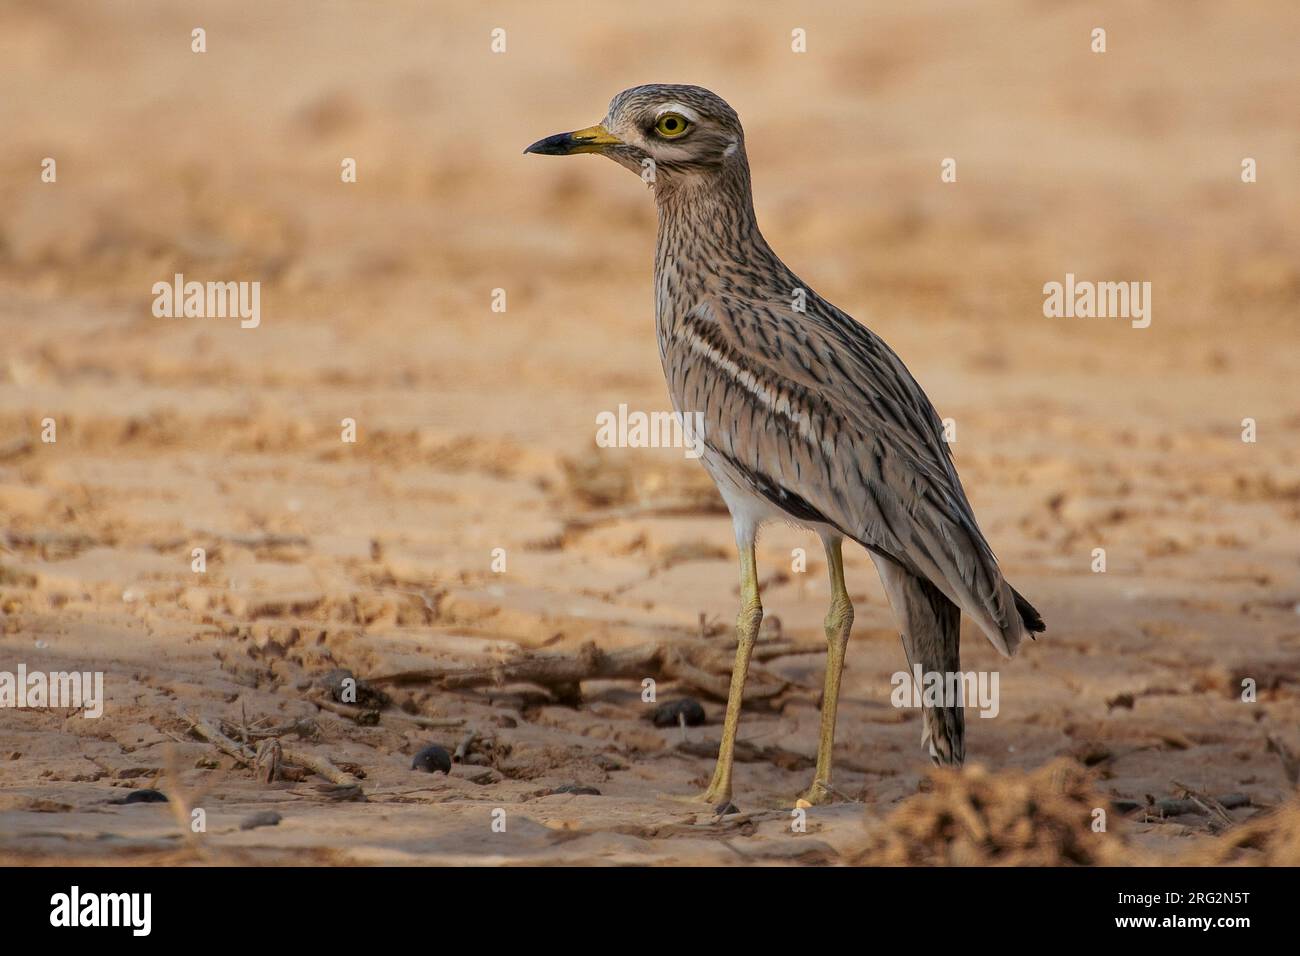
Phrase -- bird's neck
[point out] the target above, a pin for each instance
(707, 220)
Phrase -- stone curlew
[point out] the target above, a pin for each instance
(808, 416)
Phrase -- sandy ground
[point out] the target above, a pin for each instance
(476, 428)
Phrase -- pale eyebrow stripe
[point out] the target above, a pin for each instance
(680, 110)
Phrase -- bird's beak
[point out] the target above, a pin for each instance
(593, 139)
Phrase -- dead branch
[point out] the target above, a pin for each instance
(218, 739)
(429, 723)
(270, 754)
(703, 668)
(303, 727)
(317, 765)
(1176, 807)
(368, 715)
(362, 715)
(462, 748)
(321, 766)
(1209, 806)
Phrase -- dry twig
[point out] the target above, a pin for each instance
(704, 668)
(302, 758)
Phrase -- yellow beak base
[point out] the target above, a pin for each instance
(593, 139)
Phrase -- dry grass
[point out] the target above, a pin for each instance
(976, 818)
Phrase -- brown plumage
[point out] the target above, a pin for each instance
(808, 416)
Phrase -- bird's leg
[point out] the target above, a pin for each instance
(747, 624)
(839, 621)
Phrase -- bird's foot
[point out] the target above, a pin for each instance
(817, 795)
(719, 801)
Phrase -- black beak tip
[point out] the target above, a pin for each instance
(558, 145)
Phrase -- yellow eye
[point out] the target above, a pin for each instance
(671, 125)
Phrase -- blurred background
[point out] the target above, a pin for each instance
(476, 428)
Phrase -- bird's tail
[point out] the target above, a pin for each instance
(944, 730)
(931, 632)
(1006, 619)
(1029, 616)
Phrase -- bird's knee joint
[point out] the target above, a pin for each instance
(749, 620)
(839, 619)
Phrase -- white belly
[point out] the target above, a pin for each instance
(750, 510)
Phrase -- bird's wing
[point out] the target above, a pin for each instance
(826, 422)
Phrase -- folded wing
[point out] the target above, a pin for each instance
(824, 420)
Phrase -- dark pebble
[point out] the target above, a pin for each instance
(667, 713)
(266, 818)
(432, 758)
(366, 696)
(333, 680)
(145, 796)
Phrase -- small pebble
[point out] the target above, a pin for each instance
(333, 680)
(668, 713)
(335, 684)
(145, 796)
(578, 789)
(344, 792)
(431, 759)
(265, 818)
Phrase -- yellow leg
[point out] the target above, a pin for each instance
(747, 624)
(839, 621)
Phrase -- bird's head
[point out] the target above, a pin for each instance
(662, 132)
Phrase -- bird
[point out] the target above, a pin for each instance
(808, 418)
